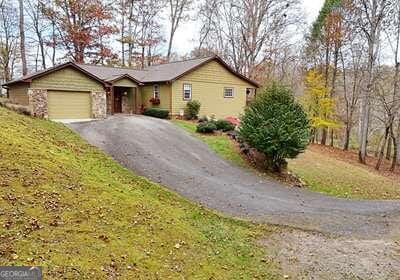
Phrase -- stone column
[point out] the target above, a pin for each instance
(38, 102)
(125, 104)
(109, 101)
(99, 105)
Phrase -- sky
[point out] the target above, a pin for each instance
(184, 39)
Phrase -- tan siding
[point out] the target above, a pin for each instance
(165, 96)
(67, 79)
(208, 83)
(139, 98)
(69, 105)
(18, 93)
(125, 82)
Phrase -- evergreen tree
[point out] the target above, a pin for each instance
(276, 125)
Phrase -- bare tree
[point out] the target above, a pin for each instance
(123, 10)
(8, 39)
(38, 26)
(178, 12)
(352, 78)
(22, 37)
(370, 19)
(393, 36)
(146, 35)
(250, 33)
(387, 100)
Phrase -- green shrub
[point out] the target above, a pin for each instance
(276, 125)
(192, 110)
(206, 127)
(224, 125)
(156, 112)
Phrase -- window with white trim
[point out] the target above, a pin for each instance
(228, 93)
(187, 91)
(156, 92)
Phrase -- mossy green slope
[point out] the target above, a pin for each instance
(68, 207)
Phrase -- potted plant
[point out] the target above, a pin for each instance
(155, 101)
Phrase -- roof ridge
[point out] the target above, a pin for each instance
(144, 69)
(109, 66)
(184, 60)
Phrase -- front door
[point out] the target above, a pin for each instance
(117, 102)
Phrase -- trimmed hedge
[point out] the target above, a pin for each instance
(157, 113)
(224, 125)
(206, 127)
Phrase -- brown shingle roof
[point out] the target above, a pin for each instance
(155, 73)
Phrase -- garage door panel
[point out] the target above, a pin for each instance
(69, 105)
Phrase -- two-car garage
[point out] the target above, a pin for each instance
(69, 104)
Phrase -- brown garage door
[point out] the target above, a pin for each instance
(69, 105)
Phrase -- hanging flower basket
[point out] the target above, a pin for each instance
(155, 101)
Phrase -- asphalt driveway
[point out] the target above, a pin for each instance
(159, 150)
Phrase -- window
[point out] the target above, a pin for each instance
(187, 91)
(228, 92)
(156, 92)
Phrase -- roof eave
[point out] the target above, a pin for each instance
(126, 76)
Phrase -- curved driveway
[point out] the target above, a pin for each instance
(166, 154)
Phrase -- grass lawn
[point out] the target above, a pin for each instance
(220, 144)
(327, 174)
(322, 172)
(66, 206)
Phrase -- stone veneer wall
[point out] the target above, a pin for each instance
(108, 96)
(99, 105)
(38, 102)
(126, 105)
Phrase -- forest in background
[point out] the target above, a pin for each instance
(344, 68)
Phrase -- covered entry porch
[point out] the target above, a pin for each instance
(123, 97)
(125, 100)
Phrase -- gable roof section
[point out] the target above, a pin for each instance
(168, 72)
(116, 78)
(30, 77)
(171, 71)
(223, 63)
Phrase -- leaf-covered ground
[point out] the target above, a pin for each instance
(69, 208)
(335, 175)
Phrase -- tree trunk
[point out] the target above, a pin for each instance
(22, 37)
(389, 150)
(347, 137)
(365, 112)
(53, 56)
(375, 14)
(42, 52)
(123, 32)
(382, 151)
(324, 136)
(171, 37)
(396, 146)
(327, 59)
